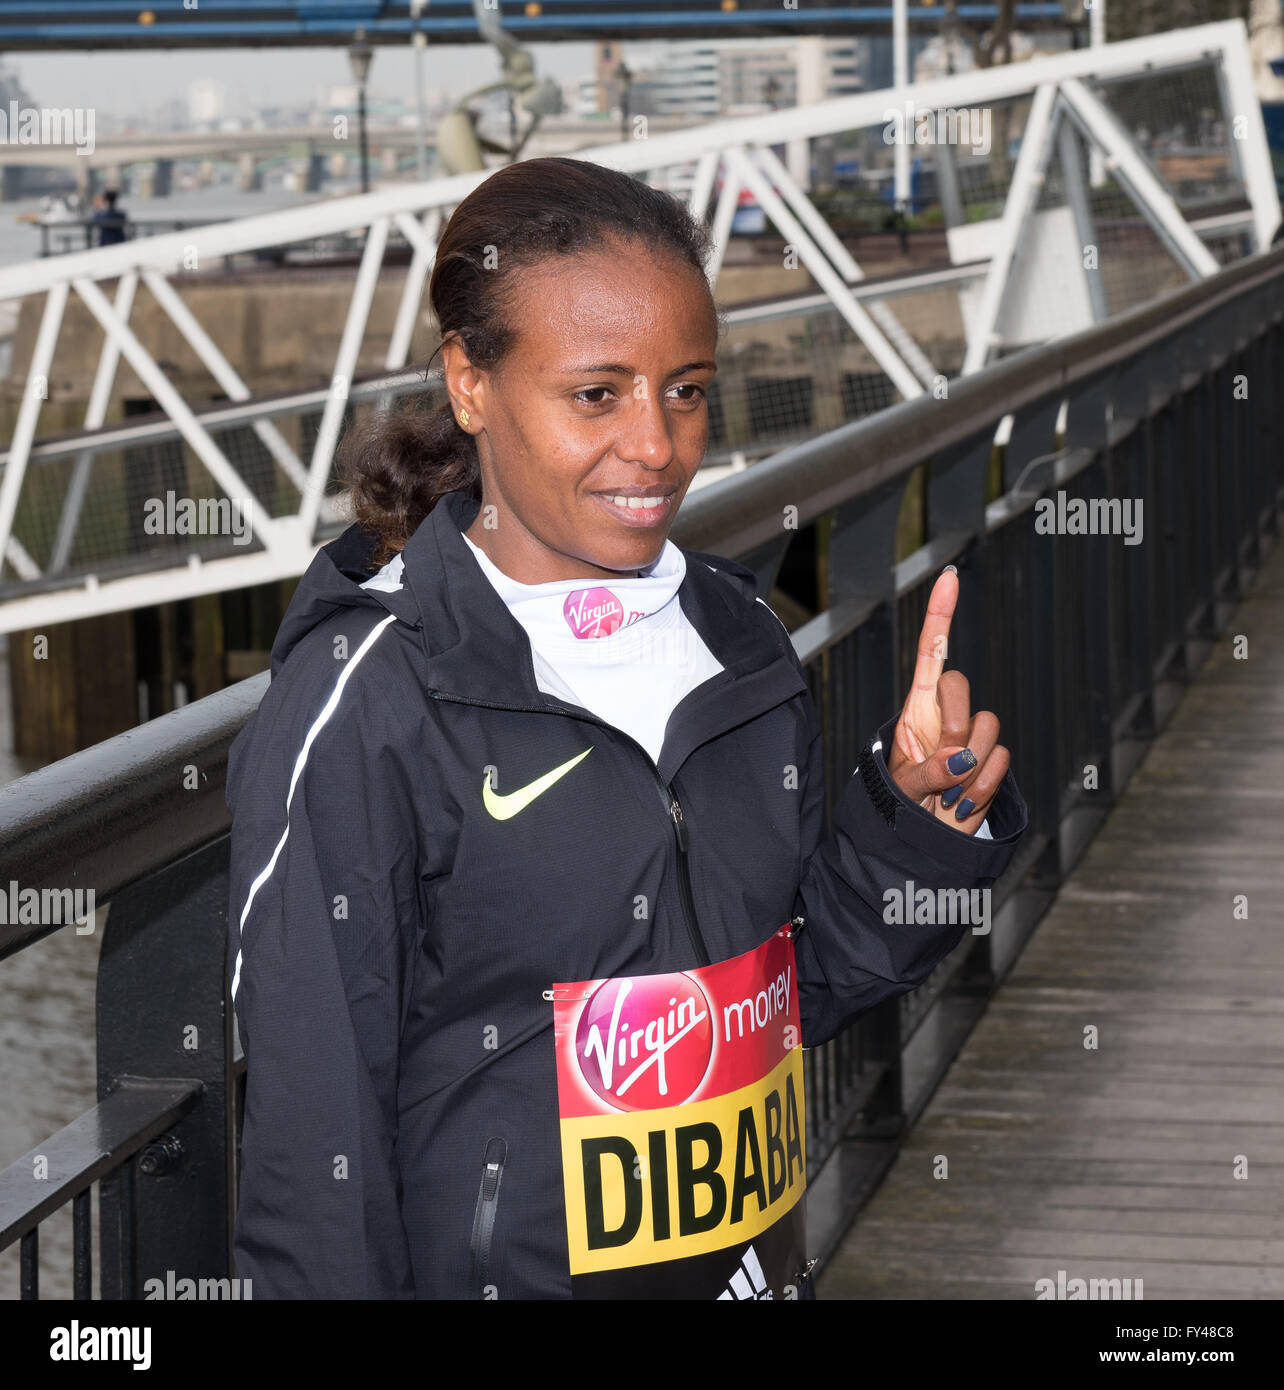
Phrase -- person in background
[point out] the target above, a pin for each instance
(109, 219)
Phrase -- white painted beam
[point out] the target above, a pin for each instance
(354, 329)
(826, 276)
(160, 386)
(1023, 195)
(33, 396)
(1153, 200)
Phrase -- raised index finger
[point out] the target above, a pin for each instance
(933, 640)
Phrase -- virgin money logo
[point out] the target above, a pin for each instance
(593, 612)
(646, 1042)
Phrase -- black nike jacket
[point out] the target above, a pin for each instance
(390, 942)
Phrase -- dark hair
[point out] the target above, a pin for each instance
(110, 196)
(401, 462)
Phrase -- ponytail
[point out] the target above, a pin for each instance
(397, 465)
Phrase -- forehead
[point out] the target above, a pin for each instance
(623, 297)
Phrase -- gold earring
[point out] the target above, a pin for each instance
(463, 418)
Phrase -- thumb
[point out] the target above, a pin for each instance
(919, 780)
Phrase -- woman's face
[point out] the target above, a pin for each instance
(602, 394)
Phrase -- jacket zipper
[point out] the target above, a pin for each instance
(484, 1215)
(684, 879)
(673, 805)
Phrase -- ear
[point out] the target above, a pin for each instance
(465, 383)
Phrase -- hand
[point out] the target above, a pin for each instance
(935, 724)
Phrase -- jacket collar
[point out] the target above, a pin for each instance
(476, 650)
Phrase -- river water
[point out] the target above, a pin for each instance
(47, 1053)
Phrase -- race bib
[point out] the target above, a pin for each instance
(683, 1130)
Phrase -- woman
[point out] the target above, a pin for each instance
(530, 913)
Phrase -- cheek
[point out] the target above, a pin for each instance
(540, 435)
(691, 431)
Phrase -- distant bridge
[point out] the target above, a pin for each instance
(36, 24)
(316, 145)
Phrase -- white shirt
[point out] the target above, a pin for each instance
(622, 649)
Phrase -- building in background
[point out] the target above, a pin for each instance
(704, 79)
(206, 102)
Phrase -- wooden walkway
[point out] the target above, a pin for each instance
(1121, 1162)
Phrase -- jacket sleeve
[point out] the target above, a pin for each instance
(849, 956)
(322, 926)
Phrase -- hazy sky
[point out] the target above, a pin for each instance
(124, 83)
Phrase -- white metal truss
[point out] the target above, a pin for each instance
(345, 364)
(1094, 119)
(1027, 180)
(728, 157)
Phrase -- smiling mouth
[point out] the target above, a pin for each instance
(637, 511)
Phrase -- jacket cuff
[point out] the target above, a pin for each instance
(955, 850)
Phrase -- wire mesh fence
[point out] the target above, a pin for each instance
(1089, 250)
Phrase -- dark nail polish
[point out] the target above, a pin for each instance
(962, 762)
(966, 807)
(950, 797)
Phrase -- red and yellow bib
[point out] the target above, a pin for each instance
(683, 1130)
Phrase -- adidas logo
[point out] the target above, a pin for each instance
(748, 1281)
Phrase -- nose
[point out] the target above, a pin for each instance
(645, 435)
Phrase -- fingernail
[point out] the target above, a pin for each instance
(959, 763)
(950, 569)
(966, 807)
(950, 797)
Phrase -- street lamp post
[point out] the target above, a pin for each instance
(421, 138)
(359, 56)
(625, 79)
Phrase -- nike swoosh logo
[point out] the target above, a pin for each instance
(506, 807)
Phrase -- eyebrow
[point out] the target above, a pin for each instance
(616, 369)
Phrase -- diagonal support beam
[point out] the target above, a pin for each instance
(95, 414)
(825, 275)
(1156, 204)
(19, 557)
(706, 175)
(223, 372)
(1023, 195)
(1081, 210)
(24, 429)
(205, 449)
(423, 237)
(831, 244)
(354, 330)
(724, 215)
(1252, 152)
(806, 212)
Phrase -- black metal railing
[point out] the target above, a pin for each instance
(1081, 642)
